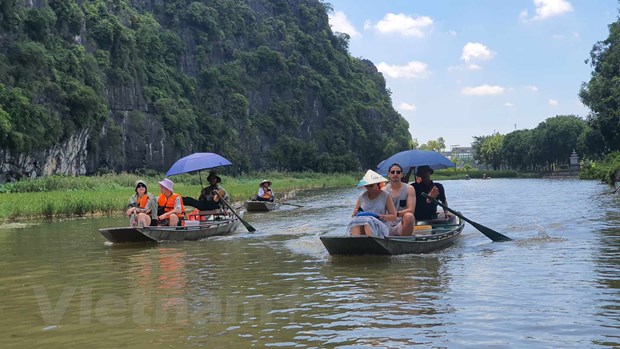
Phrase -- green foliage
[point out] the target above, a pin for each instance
(69, 16)
(218, 75)
(437, 145)
(606, 170)
(62, 196)
(602, 93)
(540, 149)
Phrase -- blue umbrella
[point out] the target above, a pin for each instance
(197, 162)
(415, 158)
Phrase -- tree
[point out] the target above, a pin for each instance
(437, 145)
(492, 150)
(558, 137)
(517, 150)
(602, 93)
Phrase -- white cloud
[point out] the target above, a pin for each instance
(508, 104)
(553, 102)
(474, 67)
(547, 9)
(532, 88)
(340, 23)
(401, 24)
(412, 69)
(473, 51)
(452, 32)
(407, 106)
(483, 90)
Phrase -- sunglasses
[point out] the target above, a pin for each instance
(141, 186)
(395, 172)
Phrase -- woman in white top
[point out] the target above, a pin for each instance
(373, 208)
(264, 191)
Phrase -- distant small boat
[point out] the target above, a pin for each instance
(440, 234)
(255, 205)
(194, 230)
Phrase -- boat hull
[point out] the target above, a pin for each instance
(440, 237)
(258, 206)
(200, 231)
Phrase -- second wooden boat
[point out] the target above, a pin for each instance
(440, 235)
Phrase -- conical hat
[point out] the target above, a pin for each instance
(371, 177)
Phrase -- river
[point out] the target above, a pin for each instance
(557, 285)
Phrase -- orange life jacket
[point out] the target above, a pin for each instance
(142, 202)
(168, 204)
(266, 194)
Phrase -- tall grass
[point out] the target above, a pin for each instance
(62, 196)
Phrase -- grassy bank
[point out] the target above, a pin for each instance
(65, 197)
(62, 197)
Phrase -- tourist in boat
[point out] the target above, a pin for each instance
(373, 208)
(264, 192)
(142, 207)
(403, 198)
(170, 208)
(209, 198)
(426, 209)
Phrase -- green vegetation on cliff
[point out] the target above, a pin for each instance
(263, 82)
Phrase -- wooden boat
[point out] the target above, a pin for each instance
(255, 205)
(194, 230)
(438, 235)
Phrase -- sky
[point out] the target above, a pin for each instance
(463, 68)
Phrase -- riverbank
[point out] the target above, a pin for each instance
(60, 197)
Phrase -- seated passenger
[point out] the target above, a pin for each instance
(426, 209)
(373, 208)
(142, 207)
(264, 192)
(403, 197)
(170, 208)
(209, 198)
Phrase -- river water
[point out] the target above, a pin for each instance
(557, 285)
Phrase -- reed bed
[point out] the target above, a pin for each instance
(64, 197)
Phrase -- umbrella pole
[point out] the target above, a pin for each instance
(200, 176)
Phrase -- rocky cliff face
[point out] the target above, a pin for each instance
(258, 81)
(68, 158)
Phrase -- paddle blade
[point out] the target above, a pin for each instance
(488, 232)
(245, 224)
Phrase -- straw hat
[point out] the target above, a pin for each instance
(265, 181)
(372, 177)
(168, 184)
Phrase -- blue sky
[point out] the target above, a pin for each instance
(464, 68)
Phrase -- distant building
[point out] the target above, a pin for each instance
(458, 152)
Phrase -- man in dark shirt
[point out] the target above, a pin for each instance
(209, 196)
(426, 209)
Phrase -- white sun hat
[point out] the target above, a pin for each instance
(372, 177)
(168, 184)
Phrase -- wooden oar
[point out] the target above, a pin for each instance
(246, 224)
(490, 233)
